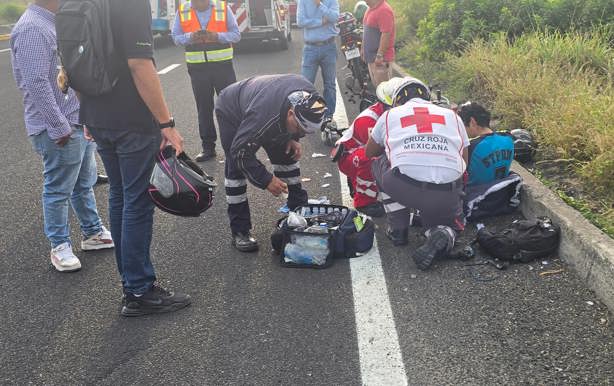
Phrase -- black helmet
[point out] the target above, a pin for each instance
(309, 109)
(524, 146)
(178, 186)
(408, 89)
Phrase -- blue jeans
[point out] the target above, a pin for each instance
(324, 57)
(69, 173)
(129, 157)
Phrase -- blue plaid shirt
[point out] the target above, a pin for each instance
(35, 68)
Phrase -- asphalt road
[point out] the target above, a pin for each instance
(253, 322)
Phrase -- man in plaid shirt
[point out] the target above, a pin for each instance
(51, 120)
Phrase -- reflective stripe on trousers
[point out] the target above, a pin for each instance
(236, 191)
(290, 174)
(195, 57)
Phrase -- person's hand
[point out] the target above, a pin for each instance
(63, 140)
(317, 2)
(62, 81)
(379, 61)
(87, 135)
(211, 37)
(296, 148)
(170, 135)
(198, 36)
(277, 187)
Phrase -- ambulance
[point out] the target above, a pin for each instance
(259, 20)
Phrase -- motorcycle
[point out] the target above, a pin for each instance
(357, 79)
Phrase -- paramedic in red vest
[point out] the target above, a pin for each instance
(207, 29)
(353, 162)
(423, 150)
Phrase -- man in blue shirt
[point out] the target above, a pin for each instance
(490, 153)
(52, 123)
(207, 29)
(318, 18)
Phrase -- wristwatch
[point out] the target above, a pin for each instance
(170, 123)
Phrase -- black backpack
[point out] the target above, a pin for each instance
(523, 241)
(85, 45)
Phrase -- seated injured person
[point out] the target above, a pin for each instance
(490, 153)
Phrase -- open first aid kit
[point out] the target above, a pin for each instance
(312, 236)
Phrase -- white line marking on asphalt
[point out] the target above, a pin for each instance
(168, 69)
(5, 50)
(381, 361)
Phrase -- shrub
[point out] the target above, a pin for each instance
(10, 13)
(558, 86)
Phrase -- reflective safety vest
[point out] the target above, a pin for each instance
(206, 52)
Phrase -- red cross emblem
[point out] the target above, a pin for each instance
(423, 120)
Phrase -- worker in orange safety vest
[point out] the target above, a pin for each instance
(207, 29)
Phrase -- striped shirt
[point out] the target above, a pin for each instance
(35, 68)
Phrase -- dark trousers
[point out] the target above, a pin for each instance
(208, 78)
(235, 182)
(437, 206)
(128, 158)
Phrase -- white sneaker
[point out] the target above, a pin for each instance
(101, 240)
(63, 259)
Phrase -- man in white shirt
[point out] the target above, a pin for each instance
(423, 157)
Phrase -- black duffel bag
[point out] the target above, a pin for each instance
(523, 241)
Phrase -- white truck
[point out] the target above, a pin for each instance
(258, 20)
(162, 15)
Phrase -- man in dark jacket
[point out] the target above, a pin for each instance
(273, 112)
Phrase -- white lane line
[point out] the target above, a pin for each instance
(5, 50)
(381, 361)
(168, 69)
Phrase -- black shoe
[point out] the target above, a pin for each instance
(329, 124)
(436, 244)
(155, 301)
(374, 210)
(205, 155)
(244, 242)
(398, 237)
(415, 220)
(102, 179)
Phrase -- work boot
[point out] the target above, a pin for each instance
(438, 242)
(205, 155)
(244, 242)
(397, 236)
(375, 209)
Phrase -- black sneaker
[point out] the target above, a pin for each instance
(436, 244)
(244, 242)
(374, 210)
(155, 301)
(397, 236)
(205, 155)
(102, 179)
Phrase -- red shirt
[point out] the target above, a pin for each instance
(378, 20)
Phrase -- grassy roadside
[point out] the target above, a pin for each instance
(553, 76)
(11, 10)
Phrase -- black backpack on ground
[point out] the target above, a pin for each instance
(523, 241)
(85, 45)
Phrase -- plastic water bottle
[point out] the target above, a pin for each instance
(311, 242)
(302, 255)
(297, 254)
